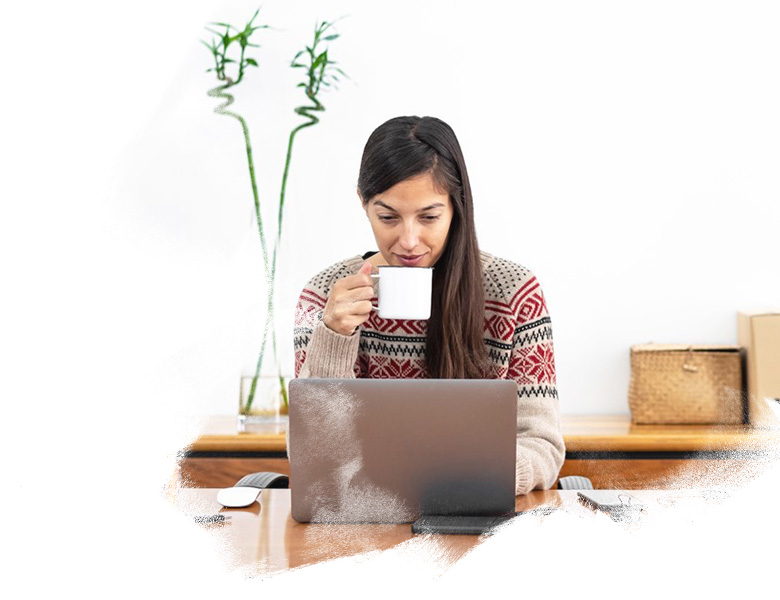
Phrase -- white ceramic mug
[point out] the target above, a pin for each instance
(404, 292)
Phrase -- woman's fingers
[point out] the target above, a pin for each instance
(357, 301)
(349, 303)
(361, 293)
(362, 308)
(360, 279)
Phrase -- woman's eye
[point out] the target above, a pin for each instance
(426, 218)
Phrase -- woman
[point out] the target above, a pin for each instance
(488, 315)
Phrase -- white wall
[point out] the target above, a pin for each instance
(624, 152)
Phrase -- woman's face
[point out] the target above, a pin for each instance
(411, 221)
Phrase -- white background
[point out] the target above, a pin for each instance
(625, 155)
(626, 152)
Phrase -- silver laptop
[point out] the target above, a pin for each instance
(390, 450)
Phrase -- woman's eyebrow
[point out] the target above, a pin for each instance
(437, 205)
(388, 207)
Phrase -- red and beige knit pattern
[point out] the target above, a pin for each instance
(517, 332)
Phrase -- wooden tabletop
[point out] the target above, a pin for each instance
(263, 539)
(581, 433)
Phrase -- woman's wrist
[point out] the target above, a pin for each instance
(330, 354)
(335, 329)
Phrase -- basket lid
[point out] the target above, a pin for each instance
(683, 348)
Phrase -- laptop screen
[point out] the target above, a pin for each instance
(390, 450)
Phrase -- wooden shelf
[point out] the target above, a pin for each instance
(608, 449)
(581, 433)
(615, 433)
(221, 434)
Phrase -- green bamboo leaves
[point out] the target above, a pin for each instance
(320, 72)
(219, 48)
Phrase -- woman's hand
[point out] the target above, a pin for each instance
(349, 303)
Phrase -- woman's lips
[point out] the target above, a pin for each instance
(410, 261)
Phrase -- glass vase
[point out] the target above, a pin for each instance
(263, 409)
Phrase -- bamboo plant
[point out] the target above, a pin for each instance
(219, 48)
(320, 73)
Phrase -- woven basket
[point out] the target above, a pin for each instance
(678, 384)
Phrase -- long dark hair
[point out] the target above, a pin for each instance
(405, 147)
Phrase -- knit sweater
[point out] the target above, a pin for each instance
(518, 336)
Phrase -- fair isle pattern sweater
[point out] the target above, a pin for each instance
(518, 335)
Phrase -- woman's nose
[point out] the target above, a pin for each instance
(410, 237)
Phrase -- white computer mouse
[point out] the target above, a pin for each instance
(238, 497)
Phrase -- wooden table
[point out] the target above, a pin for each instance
(263, 538)
(608, 449)
(616, 454)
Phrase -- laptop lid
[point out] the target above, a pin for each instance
(389, 450)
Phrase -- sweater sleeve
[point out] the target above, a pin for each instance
(540, 448)
(319, 351)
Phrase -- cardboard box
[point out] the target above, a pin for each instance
(758, 333)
